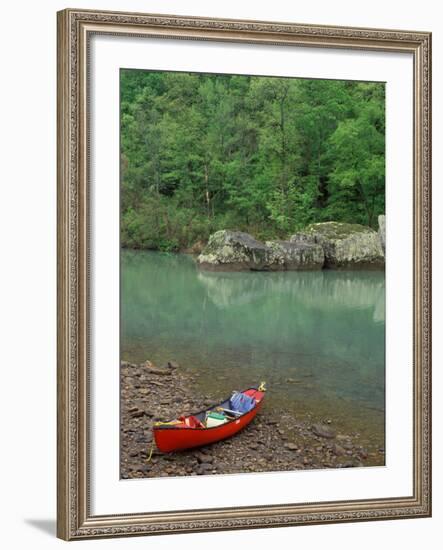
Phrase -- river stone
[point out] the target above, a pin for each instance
(322, 430)
(382, 231)
(204, 458)
(345, 245)
(204, 468)
(295, 256)
(338, 450)
(137, 414)
(126, 364)
(234, 250)
(153, 369)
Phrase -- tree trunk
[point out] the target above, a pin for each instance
(365, 203)
(207, 196)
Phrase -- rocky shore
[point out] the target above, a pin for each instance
(330, 245)
(274, 441)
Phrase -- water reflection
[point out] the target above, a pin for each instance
(323, 290)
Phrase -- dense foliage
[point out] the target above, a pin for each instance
(265, 155)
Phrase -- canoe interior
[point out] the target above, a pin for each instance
(201, 415)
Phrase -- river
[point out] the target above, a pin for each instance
(316, 338)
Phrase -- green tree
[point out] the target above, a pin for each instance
(266, 155)
(357, 154)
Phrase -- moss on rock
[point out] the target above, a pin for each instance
(345, 245)
(336, 230)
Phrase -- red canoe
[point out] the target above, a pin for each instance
(188, 432)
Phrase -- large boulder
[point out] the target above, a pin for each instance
(237, 251)
(345, 245)
(382, 231)
(234, 251)
(295, 256)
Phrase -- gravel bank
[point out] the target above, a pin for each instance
(274, 441)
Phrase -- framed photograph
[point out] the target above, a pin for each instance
(244, 284)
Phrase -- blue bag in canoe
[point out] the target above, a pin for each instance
(242, 403)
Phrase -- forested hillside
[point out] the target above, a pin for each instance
(263, 155)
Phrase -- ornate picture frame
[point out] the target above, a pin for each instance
(74, 517)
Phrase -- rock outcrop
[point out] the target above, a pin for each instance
(345, 245)
(327, 244)
(234, 251)
(382, 231)
(295, 256)
(237, 251)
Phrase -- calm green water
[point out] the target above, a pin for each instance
(324, 330)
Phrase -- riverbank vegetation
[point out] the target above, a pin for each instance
(263, 155)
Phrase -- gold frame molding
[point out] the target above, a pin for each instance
(75, 28)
